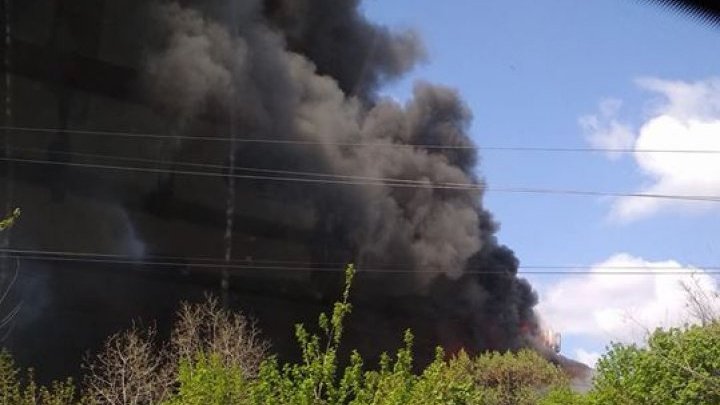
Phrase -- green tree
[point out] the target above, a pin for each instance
(211, 352)
(448, 382)
(7, 223)
(679, 366)
(516, 378)
(521, 378)
(314, 380)
(10, 220)
(16, 392)
(209, 381)
(565, 396)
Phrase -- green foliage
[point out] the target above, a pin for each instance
(565, 396)
(516, 378)
(678, 366)
(208, 381)
(493, 379)
(10, 221)
(392, 383)
(10, 391)
(448, 383)
(207, 377)
(318, 380)
(13, 391)
(314, 380)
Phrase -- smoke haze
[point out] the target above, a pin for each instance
(304, 73)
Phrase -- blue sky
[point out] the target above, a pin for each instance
(530, 71)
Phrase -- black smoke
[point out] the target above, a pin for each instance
(306, 74)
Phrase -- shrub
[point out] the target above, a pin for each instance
(678, 366)
(315, 379)
(516, 378)
(208, 380)
(492, 379)
(133, 369)
(216, 357)
(15, 392)
(210, 331)
(565, 396)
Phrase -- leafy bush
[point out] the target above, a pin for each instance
(209, 381)
(565, 396)
(207, 343)
(210, 331)
(10, 220)
(447, 382)
(492, 379)
(314, 380)
(16, 392)
(678, 366)
(318, 380)
(217, 358)
(516, 378)
(130, 370)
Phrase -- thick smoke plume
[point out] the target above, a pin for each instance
(308, 71)
(305, 73)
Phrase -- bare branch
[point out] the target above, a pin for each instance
(703, 305)
(131, 370)
(209, 329)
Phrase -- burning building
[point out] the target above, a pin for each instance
(551, 339)
(163, 149)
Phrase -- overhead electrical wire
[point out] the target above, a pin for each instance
(386, 182)
(184, 259)
(219, 264)
(227, 167)
(299, 142)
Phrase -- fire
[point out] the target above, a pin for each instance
(551, 339)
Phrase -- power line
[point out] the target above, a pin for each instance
(37, 255)
(165, 137)
(590, 193)
(380, 182)
(313, 263)
(234, 168)
(386, 182)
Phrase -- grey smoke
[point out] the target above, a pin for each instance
(305, 70)
(280, 94)
(311, 71)
(359, 55)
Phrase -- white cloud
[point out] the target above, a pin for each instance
(684, 116)
(587, 357)
(607, 304)
(604, 131)
(685, 100)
